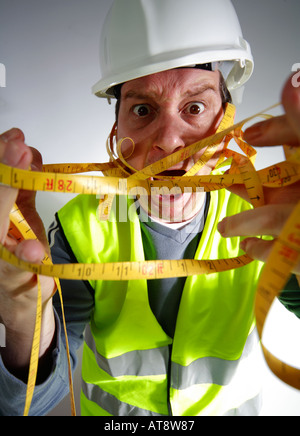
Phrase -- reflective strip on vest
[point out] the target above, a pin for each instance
(249, 408)
(155, 362)
(210, 369)
(111, 404)
(136, 363)
(205, 371)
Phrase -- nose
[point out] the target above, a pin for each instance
(169, 134)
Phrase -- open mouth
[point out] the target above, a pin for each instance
(175, 193)
(171, 173)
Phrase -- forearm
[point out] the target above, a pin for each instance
(19, 337)
(49, 392)
(79, 304)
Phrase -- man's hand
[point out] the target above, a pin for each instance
(279, 202)
(18, 289)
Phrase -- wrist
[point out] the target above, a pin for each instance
(19, 336)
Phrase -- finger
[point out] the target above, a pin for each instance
(13, 277)
(280, 130)
(14, 153)
(30, 251)
(257, 248)
(18, 282)
(291, 102)
(286, 195)
(275, 131)
(12, 134)
(37, 160)
(265, 220)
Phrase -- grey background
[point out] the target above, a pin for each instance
(50, 52)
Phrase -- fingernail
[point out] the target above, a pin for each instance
(12, 155)
(10, 135)
(5, 137)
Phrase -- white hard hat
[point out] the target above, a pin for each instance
(142, 37)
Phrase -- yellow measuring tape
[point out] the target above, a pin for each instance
(20, 230)
(121, 179)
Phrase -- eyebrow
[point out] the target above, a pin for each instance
(133, 94)
(201, 89)
(195, 91)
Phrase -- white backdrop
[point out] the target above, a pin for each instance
(49, 51)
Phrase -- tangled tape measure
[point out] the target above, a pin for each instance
(62, 178)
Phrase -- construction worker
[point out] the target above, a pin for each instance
(182, 346)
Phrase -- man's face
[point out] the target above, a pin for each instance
(163, 113)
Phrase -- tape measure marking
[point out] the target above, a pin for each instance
(117, 271)
(34, 358)
(285, 255)
(282, 174)
(20, 229)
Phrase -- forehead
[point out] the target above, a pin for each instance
(177, 82)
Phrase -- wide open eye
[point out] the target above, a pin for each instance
(194, 108)
(141, 110)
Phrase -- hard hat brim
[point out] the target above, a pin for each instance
(243, 68)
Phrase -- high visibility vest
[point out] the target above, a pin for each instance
(128, 367)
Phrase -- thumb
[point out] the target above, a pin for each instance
(13, 152)
(30, 251)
